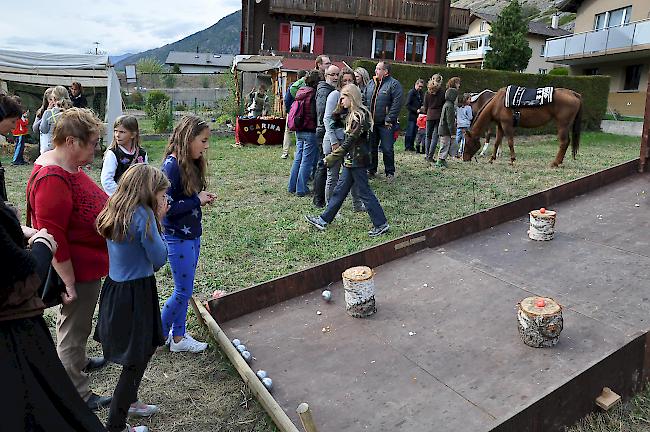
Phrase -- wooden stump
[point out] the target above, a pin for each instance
(359, 291)
(540, 322)
(542, 225)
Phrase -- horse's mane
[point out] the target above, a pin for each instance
(478, 114)
(476, 96)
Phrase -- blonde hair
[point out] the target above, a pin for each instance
(434, 83)
(193, 171)
(76, 122)
(129, 123)
(365, 76)
(62, 97)
(453, 82)
(357, 111)
(138, 187)
(46, 102)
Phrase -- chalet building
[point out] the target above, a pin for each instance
(196, 63)
(397, 30)
(469, 50)
(610, 38)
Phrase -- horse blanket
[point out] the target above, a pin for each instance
(527, 97)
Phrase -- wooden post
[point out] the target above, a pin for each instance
(304, 412)
(272, 408)
(645, 145)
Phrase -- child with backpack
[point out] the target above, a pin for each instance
(302, 120)
(289, 97)
(123, 152)
(129, 326)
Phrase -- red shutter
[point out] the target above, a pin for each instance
(432, 55)
(400, 47)
(319, 39)
(285, 40)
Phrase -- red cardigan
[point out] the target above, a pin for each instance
(67, 204)
(21, 127)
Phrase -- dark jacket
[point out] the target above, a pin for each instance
(413, 104)
(79, 101)
(448, 115)
(355, 150)
(433, 104)
(322, 91)
(384, 100)
(23, 271)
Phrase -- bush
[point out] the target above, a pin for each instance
(137, 99)
(154, 99)
(180, 107)
(169, 80)
(163, 119)
(594, 89)
(559, 71)
(205, 82)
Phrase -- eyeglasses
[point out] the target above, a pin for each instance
(332, 74)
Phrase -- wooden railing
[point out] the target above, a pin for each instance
(410, 12)
(459, 20)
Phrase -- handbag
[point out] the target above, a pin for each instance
(52, 286)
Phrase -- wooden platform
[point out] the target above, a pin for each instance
(443, 352)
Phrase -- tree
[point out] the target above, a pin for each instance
(149, 65)
(176, 69)
(510, 50)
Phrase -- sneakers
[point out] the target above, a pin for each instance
(140, 409)
(284, 155)
(187, 344)
(94, 363)
(377, 231)
(169, 338)
(317, 222)
(130, 428)
(360, 209)
(441, 163)
(390, 178)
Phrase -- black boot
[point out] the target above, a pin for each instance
(417, 149)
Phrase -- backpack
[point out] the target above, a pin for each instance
(288, 100)
(300, 116)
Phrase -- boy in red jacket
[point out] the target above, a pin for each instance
(20, 133)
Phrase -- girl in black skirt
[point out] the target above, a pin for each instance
(129, 326)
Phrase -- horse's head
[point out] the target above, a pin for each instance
(472, 145)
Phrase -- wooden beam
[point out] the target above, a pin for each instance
(304, 412)
(277, 414)
(645, 145)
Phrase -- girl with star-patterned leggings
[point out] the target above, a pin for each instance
(185, 167)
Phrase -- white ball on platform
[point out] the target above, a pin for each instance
(268, 383)
(327, 295)
(241, 348)
(247, 356)
(261, 374)
(236, 342)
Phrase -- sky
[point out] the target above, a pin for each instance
(120, 26)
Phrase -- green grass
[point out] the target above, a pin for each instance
(255, 231)
(609, 116)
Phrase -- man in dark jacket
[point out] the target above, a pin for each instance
(383, 97)
(77, 97)
(322, 91)
(413, 105)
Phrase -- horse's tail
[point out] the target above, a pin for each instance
(575, 131)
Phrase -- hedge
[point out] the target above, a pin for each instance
(594, 89)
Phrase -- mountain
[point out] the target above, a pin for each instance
(220, 38)
(117, 58)
(536, 10)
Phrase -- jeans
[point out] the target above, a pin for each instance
(183, 257)
(126, 393)
(409, 137)
(355, 177)
(460, 140)
(382, 134)
(432, 139)
(20, 149)
(303, 162)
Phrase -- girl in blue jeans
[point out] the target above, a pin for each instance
(185, 167)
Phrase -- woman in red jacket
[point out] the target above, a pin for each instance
(66, 201)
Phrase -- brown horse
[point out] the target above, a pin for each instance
(477, 102)
(566, 110)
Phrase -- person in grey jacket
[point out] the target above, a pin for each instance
(446, 127)
(383, 97)
(322, 92)
(334, 136)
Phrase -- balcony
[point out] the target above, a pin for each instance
(618, 42)
(420, 13)
(468, 48)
